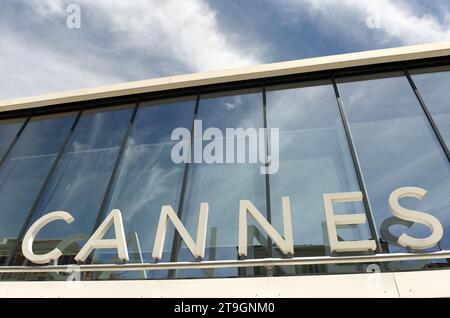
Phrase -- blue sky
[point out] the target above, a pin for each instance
(139, 39)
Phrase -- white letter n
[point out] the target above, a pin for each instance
(197, 248)
(285, 245)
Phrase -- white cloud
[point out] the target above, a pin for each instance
(123, 41)
(185, 30)
(399, 20)
(30, 69)
(48, 8)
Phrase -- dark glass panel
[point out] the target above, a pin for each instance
(433, 87)
(79, 180)
(8, 130)
(25, 169)
(314, 159)
(147, 179)
(397, 148)
(223, 185)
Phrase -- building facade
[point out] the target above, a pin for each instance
(373, 127)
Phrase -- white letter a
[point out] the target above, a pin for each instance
(97, 241)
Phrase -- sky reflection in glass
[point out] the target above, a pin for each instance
(25, 169)
(223, 185)
(314, 159)
(147, 178)
(433, 85)
(80, 178)
(397, 148)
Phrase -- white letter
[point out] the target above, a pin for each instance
(415, 216)
(241, 135)
(344, 219)
(73, 21)
(197, 248)
(216, 146)
(271, 157)
(285, 245)
(27, 244)
(198, 141)
(181, 151)
(97, 241)
(229, 146)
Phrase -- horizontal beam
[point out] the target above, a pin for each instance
(269, 262)
(309, 65)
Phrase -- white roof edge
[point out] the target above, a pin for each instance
(399, 54)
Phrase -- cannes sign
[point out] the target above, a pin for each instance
(246, 208)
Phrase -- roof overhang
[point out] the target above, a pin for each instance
(326, 63)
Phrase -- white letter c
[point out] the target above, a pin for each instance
(27, 244)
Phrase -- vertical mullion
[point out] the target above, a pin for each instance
(359, 176)
(428, 114)
(41, 191)
(176, 243)
(111, 180)
(112, 177)
(13, 142)
(266, 179)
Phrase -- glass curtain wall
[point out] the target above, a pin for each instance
(121, 157)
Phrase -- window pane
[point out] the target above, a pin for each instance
(397, 148)
(433, 87)
(314, 159)
(147, 179)
(25, 169)
(8, 130)
(222, 185)
(79, 181)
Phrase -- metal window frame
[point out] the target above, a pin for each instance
(176, 239)
(428, 114)
(112, 177)
(269, 262)
(15, 138)
(357, 166)
(267, 176)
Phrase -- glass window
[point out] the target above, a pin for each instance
(147, 178)
(223, 185)
(80, 178)
(25, 169)
(8, 130)
(433, 87)
(397, 148)
(314, 159)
